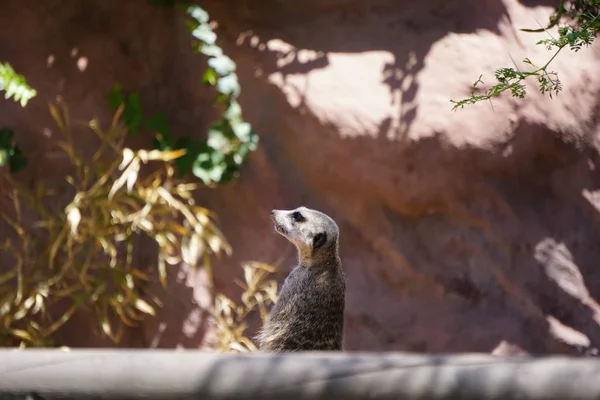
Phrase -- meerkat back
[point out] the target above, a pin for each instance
(309, 313)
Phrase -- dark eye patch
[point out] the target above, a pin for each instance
(298, 217)
(319, 240)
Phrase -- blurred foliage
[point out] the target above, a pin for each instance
(10, 153)
(584, 18)
(231, 138)
(15, 85)
(135, 120)
(73, 251)
(16, 88)
(133, 116)
(258, 293)
(78, 254)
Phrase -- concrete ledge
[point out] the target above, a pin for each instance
(173, 375)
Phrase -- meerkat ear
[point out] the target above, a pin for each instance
(319, 240)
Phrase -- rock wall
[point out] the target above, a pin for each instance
(474, 230)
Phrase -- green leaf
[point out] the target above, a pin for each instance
(159, 142)
(198, 14)
(191, 24)
(223, 65)
(240, 156)
(211, 50)
(210, 77)
(209, 165)
(15, 85)
(231, 173)
(132, 115)
(4, 157)
(217, 157)
(9, 152)
(185, 162)
(234, 111)
(221, 98)
(6, 136)
(217, 140)
(158, 123)
(229, 85)
(17, 161)
(115, 98)
(205, 34)
(216, 173)
(242, 130)
(200, 172)
(253, 142)
(203, 158)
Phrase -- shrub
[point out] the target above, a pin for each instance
(80, 254)
(584, 16)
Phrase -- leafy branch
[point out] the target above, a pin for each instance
(586, 17)
(135, 120)
(230, 317)
(15, 85)
(81, 253)
(231, 138)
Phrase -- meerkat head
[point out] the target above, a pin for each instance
(314, 233)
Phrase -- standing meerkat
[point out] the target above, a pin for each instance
(309, 312)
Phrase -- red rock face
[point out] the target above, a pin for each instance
(475, 230)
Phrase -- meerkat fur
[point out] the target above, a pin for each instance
(309, 312)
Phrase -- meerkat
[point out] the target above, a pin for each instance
(309, 312)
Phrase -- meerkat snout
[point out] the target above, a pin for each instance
(279, 222)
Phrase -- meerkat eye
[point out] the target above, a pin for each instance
(319, 240)
(296, 216)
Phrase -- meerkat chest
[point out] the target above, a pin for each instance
(305, 288)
